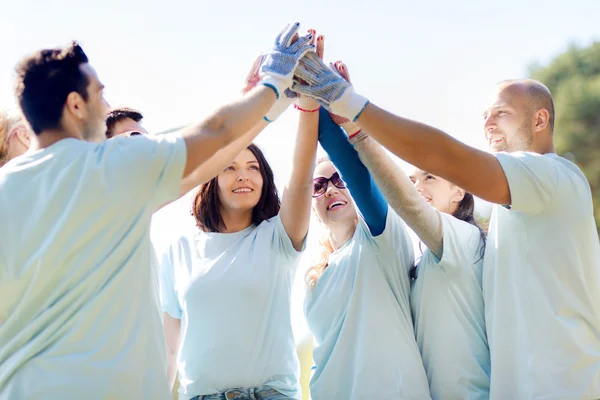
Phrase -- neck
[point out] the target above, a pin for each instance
(235, 220)
(49, 137)
(341, 233)
(544, 143)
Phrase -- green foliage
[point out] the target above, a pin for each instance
(574, 80)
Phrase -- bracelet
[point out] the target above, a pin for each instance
(303, 110)
(354, 134)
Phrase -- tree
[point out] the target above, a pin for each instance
(573, 78)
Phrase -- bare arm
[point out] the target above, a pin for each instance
(221, 159)
(434, 151)
(400, 193)
(172, 328)
(297, 195)
(210, 142)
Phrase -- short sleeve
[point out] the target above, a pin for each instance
(282, 242)
(395, 235)
(532, 180)
(461, 243)
(146, 168)
(168, 295)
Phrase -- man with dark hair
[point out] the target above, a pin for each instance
(78, 305)
(124, 120)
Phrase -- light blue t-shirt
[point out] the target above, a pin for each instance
(79, 312)
(359, 314)
(541, 283)
(232, 293)
(447, 307)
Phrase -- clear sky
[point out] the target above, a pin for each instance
(176, 61)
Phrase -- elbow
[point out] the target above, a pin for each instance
(221, 129)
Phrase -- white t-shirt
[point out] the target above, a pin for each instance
(447, 307)
(232, 293)
(79, 316)
(359, 314)
(541, 282)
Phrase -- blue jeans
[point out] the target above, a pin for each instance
(261, 393)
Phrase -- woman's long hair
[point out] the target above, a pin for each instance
(206, 203)
(325, 249)
(7, 121)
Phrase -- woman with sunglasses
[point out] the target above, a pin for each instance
(226, 288)
(357, 302)
(15, 136)
(446, 295)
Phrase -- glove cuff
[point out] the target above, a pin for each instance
(278, 108)
(349, 105)
(277, 84)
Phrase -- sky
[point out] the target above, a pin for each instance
(177, 61)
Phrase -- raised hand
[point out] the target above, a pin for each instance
(328, 87)
(305, 103)
(282, 58)
(351, 128)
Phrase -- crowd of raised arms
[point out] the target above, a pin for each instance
(89, 310)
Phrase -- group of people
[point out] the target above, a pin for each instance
(511, 313)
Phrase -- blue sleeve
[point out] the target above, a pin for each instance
(370, 201)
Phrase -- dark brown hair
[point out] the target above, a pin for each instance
(205, 208)
(44, 80)
(119, 114)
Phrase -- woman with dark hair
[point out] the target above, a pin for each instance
(446, 291)
(226, 288)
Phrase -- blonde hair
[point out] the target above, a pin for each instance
(325, 250)
(8, 120)
(316, 270)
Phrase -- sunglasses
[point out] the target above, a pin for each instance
(134, 133)
(320, 184)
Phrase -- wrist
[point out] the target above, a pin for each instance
(306, 104)
(278, 85)
(349, 105)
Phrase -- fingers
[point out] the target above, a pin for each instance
(343, 70)
(313, 33)
(287, 34)
(321, 46)
(253, 77)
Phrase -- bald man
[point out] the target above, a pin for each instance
(541, 277)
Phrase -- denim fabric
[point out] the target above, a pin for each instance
(262, 393)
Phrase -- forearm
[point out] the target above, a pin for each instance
(220, 160)
(400, 193)
(297, 196)
(203, 140)
(366, 194)
(434, 151)
(172, 329)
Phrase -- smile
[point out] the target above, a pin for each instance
(336, 204)
(243, 190)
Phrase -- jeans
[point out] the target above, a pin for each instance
(261, 393)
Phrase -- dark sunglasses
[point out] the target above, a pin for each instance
(320, 184)
(135, 133)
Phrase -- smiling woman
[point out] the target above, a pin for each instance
(226, 287)
(244, 193)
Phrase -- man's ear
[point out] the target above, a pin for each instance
(542, 119)
(75, 106)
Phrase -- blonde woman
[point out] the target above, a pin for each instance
(15, 137)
